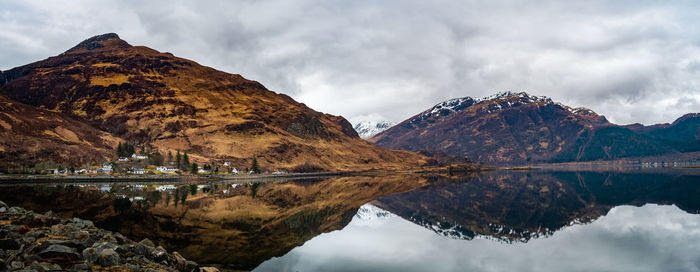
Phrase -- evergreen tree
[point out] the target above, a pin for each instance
(185, 159)
(194, 169)
(170, 156)
(120, 150)
(179, 160)
(254, 166)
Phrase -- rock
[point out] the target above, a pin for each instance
(81, 267)
(9, 243)
(3, 205)
(16, 211)
(44, 267)
(90, 255)
(3, 209)
(108, 257)
(147, 242)
(182, 264)
(81, 224)
(208, 269)
(16, 265)
(59, 251)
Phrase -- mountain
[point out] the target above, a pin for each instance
(517, 128)
(168, 103)
(32, 134)
(367, 129)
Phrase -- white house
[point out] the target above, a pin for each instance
(107, 168)
(203, 171)
(166, 169)
(139, 171)
(164, 188)
(228, 163)
(234, 171)
(138, 157)
(123, 159)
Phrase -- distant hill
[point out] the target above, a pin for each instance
(519, 128)
(155, 99)
(367, 129)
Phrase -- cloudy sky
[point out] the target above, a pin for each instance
(634, 61)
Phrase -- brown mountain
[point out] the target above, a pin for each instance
(31, 134)
(517, 128)
(169, 103)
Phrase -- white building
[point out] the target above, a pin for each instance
(203, 171)
(228, 163)
(123, 159)
(139, 171)
(234, 171)
(138, 157)
(166, 169)
(107, 168)
(164, 188)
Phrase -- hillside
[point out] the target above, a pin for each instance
(156, 99)
(367, 129)
(518, 128)
(31, 134)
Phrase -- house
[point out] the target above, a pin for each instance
(139, 157)
(164, 188)
(139, 171)
(166, 169)
(107, 168)
(228, 163)
(52, 171)
(203, 171)
(81, 171)
(234, 171)
(106, 188)
(278, 172)
(123, 159)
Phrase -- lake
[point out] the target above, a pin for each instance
(494, 221)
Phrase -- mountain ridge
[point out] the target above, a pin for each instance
(168, 103)
(511, 127)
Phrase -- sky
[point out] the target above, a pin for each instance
(633, 61)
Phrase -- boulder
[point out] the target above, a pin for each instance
(147, 242)
(90, 255)
(44, 267)
(10, 243)
(108, 257)
(59, 251)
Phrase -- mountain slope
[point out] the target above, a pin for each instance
(367, 129)
(29, 135)
(517, 128)
(156, 99)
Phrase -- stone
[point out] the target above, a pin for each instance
(16, 211)
(44, 267)
(208, 269)
(3, 209)
(3, 205)
(90, 255)
(16, 265)
(108, 257)
(81, 267)
(81, 224)
(10, 243)
(147, 242)
(59, 251)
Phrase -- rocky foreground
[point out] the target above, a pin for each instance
(45, 242)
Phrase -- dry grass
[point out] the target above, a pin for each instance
(105, 81)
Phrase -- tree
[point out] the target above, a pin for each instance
(170, 156)
(194, 169)
(120, 150)
(72, 170)
(254, 166)
(179, 160)
(156, 158)
(185, 159)
(193, 189)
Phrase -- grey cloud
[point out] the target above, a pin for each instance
(629, 60)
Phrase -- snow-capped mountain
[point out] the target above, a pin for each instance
(370, 215)
(367, 129)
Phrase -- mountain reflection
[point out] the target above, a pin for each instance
(519, 206)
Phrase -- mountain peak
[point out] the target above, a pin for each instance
(99, 41)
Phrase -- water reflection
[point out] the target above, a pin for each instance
(414, 223)
(502, 213)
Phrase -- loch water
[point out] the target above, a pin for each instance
(632, 220)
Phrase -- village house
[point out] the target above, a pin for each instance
(227, 163)
(164, 188)
(203, 171)
(234, 171)
(123, 159)
(139, 157)
(138, 171)
(166, 169)
(106, 168)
